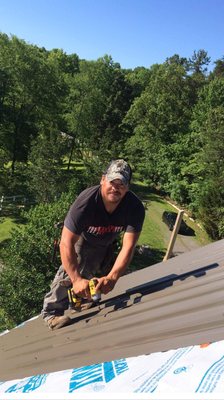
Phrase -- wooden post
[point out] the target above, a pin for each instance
(174, 235)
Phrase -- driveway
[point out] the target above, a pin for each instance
(184, 243)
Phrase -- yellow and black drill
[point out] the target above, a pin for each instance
(75, 302)
(95, 295)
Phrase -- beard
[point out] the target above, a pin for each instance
(114, 197)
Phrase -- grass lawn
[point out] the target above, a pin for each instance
(153, 229)
(7, 224)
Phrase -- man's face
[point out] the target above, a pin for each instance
(114, 191)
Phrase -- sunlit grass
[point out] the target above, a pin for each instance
(7, 224)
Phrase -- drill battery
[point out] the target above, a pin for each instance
(75, 302)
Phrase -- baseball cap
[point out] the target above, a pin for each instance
(119, 169)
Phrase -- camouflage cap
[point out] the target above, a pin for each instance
(119, 169)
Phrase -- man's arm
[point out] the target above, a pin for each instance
(124, 257)
(70, 262)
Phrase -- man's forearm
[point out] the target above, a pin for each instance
(70, 265)
(70, 262)
(125, 255)
(122, 261)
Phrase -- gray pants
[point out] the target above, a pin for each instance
(94, 261)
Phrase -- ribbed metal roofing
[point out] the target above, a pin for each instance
(165, 306)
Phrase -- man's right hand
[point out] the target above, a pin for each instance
(81, 288)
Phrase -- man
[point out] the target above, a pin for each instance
(95, 219)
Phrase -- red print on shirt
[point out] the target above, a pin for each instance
(101, 230)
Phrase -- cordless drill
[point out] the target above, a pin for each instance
(75, 302)
(95, 295)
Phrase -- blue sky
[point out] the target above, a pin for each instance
(134, 32)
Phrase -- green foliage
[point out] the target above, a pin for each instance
(179, 154)
(208, 126)
(28, 263)
(199, 61)
(176, 59)
(30, 94)
(66, 64)
(5, 322)
(211, 209)
(100, 96)
(47, 178)
(219, 68)
(160, 120)
(139, 79)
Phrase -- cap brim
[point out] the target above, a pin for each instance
(112, 177)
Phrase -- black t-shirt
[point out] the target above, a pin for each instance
(88, 217)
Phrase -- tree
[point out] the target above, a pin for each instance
(30, 94)
(176, 59)
(29, 266)
(46, 174)
(219, 68)
(67, 63)
(208, 131)
(160, 119)
(198, 68)
(100, 97)
(199, 61)
(139, 78)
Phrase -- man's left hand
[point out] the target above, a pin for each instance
(105, 284)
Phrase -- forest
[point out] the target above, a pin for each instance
(62, 119)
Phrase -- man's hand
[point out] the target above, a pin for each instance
(81, 288)
(105, 284)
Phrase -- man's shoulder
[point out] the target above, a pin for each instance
(133, 204)
(133, 198)
(87, 195)
(88, 192)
